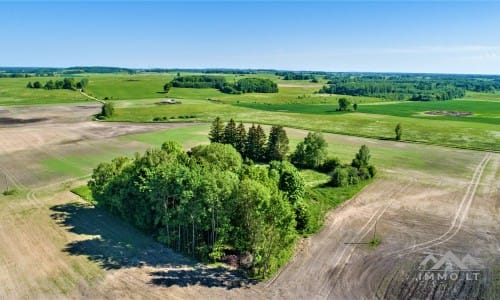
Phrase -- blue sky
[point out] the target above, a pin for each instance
(392, 36)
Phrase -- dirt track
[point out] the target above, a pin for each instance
(54, 245)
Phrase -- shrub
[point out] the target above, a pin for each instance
(340, 177)
(372, 170)
(329, 165)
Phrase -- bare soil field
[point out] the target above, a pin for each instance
(54, 245)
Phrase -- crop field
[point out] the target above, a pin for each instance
(436, 190)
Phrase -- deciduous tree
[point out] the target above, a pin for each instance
(277, 145)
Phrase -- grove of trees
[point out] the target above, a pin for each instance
(214, 201)
(254, 144)
(244, 85)
(66, 83)
(207, 203)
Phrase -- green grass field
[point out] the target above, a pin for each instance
(483, 111)
(296, 105)
(391, 155)
(13, 91)
(439, 131)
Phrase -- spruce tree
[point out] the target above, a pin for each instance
(241, 138)
(256, 143)
(230, 133)
(277, 146)
(251, 142)
(260, 144)
(216, 133)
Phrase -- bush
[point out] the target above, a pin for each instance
(364, 173)
(329, 165)
(340, 177)
(302, 216)
(372, 170)
(352, 176)
(107, 110)
(9, 192)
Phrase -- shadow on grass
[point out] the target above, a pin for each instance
(114, 244)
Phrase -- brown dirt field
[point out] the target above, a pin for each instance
(53, 245)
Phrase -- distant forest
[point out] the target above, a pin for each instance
(410, 87)
(297, 76)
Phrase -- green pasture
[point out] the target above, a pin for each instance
(13, 91)
(482, 111)
(482, 96)
(453, 133)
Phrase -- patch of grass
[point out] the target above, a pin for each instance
(186, 136)
(321, 199)
(375, 242)
(482, 96)
(10, 192)
(84, 192)
(313, 178)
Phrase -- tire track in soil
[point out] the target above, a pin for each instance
(367, 228)
(452, 231)
(460, 215)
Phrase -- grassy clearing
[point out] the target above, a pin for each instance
(84, 192)
(321, 199)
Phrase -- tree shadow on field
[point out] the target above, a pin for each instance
(207, 277)
(115, 244)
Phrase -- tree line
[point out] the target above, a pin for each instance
(297, 76)
(244, 85)
(394, 88)
(254, 144)
(66, 83)
(312, 153)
